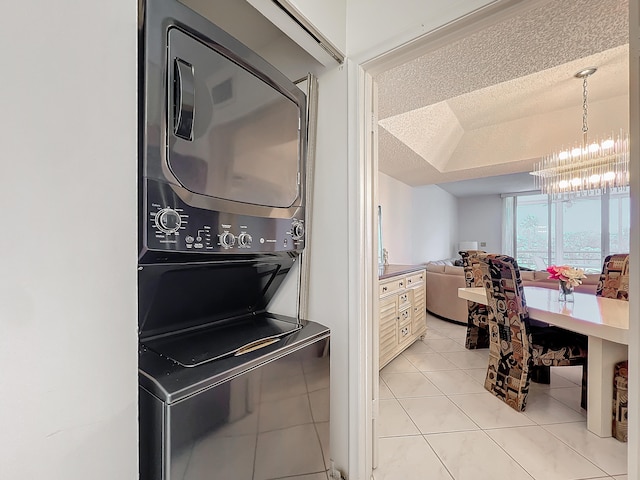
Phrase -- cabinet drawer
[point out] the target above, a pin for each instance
(415, 279)
(403, 300)
(392, 285)
(404, 316)
(404, 333)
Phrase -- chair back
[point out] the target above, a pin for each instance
(478, 313)
(510, 351)
(472, 273)
(614, 279)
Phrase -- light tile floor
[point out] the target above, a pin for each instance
(437, 421)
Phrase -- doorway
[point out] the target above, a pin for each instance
(370, 70)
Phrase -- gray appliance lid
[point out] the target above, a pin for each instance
(199, 346)
(171, 382)
(181, 297)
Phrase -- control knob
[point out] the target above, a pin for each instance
(297, 230)
(168, 220)
(244, 240)
(227, 239)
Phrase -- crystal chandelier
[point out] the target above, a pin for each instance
(590, 168)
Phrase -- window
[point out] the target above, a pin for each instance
(578, 231)
(619, 227)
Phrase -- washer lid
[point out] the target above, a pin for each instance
(179, 298)
(172, 383)
(196, 347)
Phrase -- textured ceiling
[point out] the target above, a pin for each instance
(494, 102)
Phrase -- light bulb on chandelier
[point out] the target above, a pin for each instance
(590, 168)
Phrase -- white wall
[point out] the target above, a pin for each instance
(378, 26)
(395, 198)
(426, 223)
(329, 268)
(68, 316)
(329, 17)
(435, 224)
(480, 219)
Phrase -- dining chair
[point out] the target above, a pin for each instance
(614, 283)
(620, 424)
(477, 321)
(614, 279)
(515, 346)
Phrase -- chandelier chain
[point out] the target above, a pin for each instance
(585, 126)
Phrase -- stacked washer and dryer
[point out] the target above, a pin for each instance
(227, 390)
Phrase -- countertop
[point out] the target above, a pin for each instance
(387, 271)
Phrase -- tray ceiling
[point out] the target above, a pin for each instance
(492, 103)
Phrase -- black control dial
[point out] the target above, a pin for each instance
(227, 240)
(244, 239)
(168, 220)
(297, 230)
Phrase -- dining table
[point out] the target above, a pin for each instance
(605, 322)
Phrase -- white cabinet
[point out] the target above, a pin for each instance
(402, 313)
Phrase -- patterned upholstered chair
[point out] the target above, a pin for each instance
(477, 321)
(620, 401)
(614, 283)
(515, 347)
(614, 279)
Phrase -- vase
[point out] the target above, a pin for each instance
(565, 292)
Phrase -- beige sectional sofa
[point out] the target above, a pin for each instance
(444, 279)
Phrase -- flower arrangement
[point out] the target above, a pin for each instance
(570, 275)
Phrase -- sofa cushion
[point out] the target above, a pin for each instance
(445, 261)
(435, 267)
(541, 275)
(451, 270)
(527, 275)
(592, 279)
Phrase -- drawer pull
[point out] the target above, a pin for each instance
(384, 289)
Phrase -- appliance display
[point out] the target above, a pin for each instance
(227, 389)
(224, 142)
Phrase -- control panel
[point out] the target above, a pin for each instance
(172, 225)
